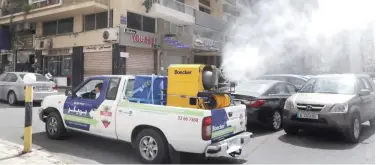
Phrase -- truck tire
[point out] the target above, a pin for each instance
(290, 130)
(55, 128)
(152, 147)
(352, 133)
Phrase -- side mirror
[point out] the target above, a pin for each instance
(364, 92)
(69, 92)
(232, 87)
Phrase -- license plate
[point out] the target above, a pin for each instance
(307, 115)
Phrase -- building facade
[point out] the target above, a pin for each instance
(74, 39)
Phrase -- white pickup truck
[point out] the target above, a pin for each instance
(157, 132)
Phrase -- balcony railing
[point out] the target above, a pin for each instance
(18, 8)
(172, 4)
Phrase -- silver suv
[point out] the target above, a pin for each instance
(342, 101)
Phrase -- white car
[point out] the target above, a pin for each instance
(155, 131)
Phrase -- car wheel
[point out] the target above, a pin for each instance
(151, 147)
(55, 128)
(12, 98)
(275, 121)
(290, 130)
(353, 131)
(372, 123)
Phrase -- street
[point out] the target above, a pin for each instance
(265, 147)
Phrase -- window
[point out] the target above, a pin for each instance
(96, 21)
(366, 84)
(65, 26)
(2, 76)
(88, 90)
(134, 21)
(148, 24)
(49, 28)
(361, 85)
(58, 65)
(296, 81)
(61, 26)
(112, 89)
(205, 2)
(11, 77)
(139, 22)
(129, 89)
(38, 76)
(279, 89)
(204, 9)
(291, 88)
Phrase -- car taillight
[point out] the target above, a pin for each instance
(257, 103)
(206, 128)
(54, 87)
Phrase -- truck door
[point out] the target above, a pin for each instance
(124, 113)
(79, 109)
(106, 113)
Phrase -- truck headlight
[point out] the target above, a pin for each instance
(289, 105)
(339, 108)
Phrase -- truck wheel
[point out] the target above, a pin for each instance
(290, 130)
(151, 147)
(353, 131)
(55, 128)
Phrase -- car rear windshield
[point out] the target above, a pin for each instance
(38, 76)
(333, 85)
(252, 88)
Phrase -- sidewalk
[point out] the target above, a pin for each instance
(10, 154)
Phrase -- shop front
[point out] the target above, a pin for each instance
(206, 46)
(58, 62)
(140, 51)
(97, 60)
(175, 50)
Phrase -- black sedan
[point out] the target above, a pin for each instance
(264, 100)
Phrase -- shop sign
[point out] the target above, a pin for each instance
(205, 42)
(58, 52)
(97, 48)
(130, 31)
(143, 39)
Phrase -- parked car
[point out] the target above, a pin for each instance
(342, 102)
(264, 100)
(12, 87)
(296, 80)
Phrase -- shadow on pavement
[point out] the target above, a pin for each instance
(107, 151)
(258, 130)
(327, 140)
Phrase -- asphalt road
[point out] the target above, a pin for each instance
(267, 147)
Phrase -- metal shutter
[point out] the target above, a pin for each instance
(140, 61)
(167, 60)
(97, 63)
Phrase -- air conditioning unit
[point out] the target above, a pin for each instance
(47, 43)
(42, 44)
(110, 35)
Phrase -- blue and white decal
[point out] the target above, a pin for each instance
(78, 111)
(220, 128)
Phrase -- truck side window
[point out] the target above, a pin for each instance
(112, 89)
(129, 89)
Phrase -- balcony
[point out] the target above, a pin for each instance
(173, 11)
(54, 9)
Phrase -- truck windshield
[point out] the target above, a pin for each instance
(332, 85)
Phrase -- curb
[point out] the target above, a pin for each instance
(44, 154)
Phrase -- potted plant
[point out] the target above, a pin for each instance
(147, 4)
(26, 7)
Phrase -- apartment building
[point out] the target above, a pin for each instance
(93, 37)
